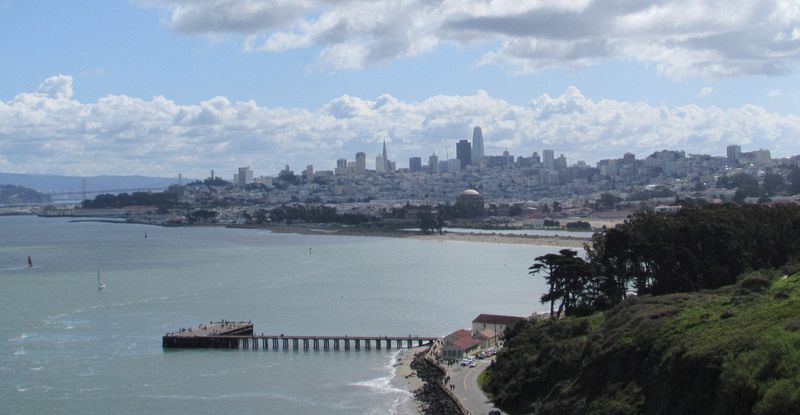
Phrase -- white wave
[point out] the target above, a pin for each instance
(19, 338)
(383, 384)
(20, 352)
(38, 368)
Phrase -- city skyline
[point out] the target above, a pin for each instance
(166, 87)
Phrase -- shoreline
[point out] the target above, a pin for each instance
(539, 240)
(561, 241)
(407, 377)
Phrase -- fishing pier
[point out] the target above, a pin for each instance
(239, 335)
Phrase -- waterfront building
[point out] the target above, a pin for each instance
(459, 344)
(477, 145)
(464, 153)
(498, 323)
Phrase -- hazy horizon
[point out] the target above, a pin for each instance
(158, 88)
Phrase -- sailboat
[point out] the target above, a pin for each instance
(100, 283)
(30, 263)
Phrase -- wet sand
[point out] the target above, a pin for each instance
(406, 376)
(555, 241)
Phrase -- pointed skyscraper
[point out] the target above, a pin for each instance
(477, 145)
(385, 158)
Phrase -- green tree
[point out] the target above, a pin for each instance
(569, 279)
(793, 177)
(774, 183)
(607, 201)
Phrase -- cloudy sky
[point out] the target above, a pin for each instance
(161, 87)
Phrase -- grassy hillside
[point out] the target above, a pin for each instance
(734, 350)
(10, 195)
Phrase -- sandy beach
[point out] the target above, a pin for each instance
(405, 375)
(555, 241)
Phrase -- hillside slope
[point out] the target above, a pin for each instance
(12, 195)
(735, 350)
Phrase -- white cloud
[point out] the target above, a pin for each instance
(705, 91)
(59, 87)
(48, 131)
(684, 38)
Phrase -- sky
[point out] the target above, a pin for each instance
(162, 87)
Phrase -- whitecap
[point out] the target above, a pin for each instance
(19, 352)
(383, 384)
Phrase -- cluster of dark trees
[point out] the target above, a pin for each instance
(771, 184)
(429, 222)
(163, 200)
(306, 213)
(202, 216)
(699, 247)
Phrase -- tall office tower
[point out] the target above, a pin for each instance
(477, 145)
(380, 164)
(341, 164)
(549, 159)
(734, 152)
(361, 162)
(464, 153)
(433, 164)
(535, 159)
(414, 164)
(560, 163)
(385, 158)
(244, 177)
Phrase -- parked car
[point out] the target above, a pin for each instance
(473, 364)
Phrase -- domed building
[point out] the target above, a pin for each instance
(470, 203)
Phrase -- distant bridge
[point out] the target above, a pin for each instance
(98, 192)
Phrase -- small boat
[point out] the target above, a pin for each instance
(100, 283)
(30, 263)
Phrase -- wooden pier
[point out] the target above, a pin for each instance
(239, 335)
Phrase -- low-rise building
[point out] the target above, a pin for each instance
(497, 323)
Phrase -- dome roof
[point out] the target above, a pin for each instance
(470, 192)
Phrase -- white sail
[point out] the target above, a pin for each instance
(100, 283)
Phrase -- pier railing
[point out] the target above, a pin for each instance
(239, 335)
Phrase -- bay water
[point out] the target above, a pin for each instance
(67, 348)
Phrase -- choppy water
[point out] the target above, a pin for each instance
(67, 348)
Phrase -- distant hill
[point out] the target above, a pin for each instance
(53, 183)
(14, 195)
